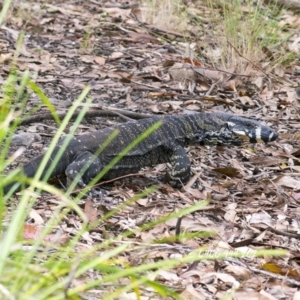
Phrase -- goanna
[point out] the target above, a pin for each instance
(165, 144)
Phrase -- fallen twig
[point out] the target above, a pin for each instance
(249, 61)
(105, 112)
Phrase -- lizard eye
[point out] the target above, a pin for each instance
(251, 126)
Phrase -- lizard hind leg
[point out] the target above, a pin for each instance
(83, 169)
(181, 167)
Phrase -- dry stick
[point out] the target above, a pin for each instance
(297, 93)
(112, 180)
(70, 278)
(192, 181)
(103, 112)
(284, 233)
(145, 84)
(289, 174)
(219, 70)
(177, 230)
(124, 117)
(212, 99)
(233, 74)
(212, 87)
(258, 271)
(89, 114)
(106, 182)
(120, 6)
(253, 64)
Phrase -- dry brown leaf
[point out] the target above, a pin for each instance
(116, 55)
(181, 72)
(163, 94)
(169, 276)
(246, 100)
(266, 160)
(230, 216)
(230, 85)
(5, 57)
(296, 196)
(271, 267)
(288, 181)
(193, 107)
(33, 232)
(189, 224)
(143, 201)
(46, 20)
(14, 33)
(196, 193)
(296, 296)
(148, 237)
(62, 10)
(223, 277)
(190, 293)
(143, 37)
(239, 271)
(59, 238)
(38, 220)
(287, 148)
(87, 58)
(100, 60)
(253, 295)
(192, 62)
(166, 106)
(211, 74)
(261, 217)
(91, 211)
(117, 12)
(228, 171)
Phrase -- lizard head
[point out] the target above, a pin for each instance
(225, 129)
(251, 130)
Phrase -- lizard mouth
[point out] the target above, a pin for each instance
(258, 136)
(244, 138)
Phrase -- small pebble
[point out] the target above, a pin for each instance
(23, 139)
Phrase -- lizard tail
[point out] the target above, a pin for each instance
(29, 170)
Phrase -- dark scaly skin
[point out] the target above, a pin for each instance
(166, 144)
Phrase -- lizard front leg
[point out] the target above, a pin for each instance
(83, 169)
(181, 166)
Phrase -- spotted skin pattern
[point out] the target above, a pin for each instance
(166, 144)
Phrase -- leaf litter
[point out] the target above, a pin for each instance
(253, 190)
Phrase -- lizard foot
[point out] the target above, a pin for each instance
(97, 192)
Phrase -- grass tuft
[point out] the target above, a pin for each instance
(243, 31)
(169, 14)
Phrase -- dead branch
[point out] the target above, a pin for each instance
(127, 115)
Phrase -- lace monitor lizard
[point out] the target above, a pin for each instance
(166, 144)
